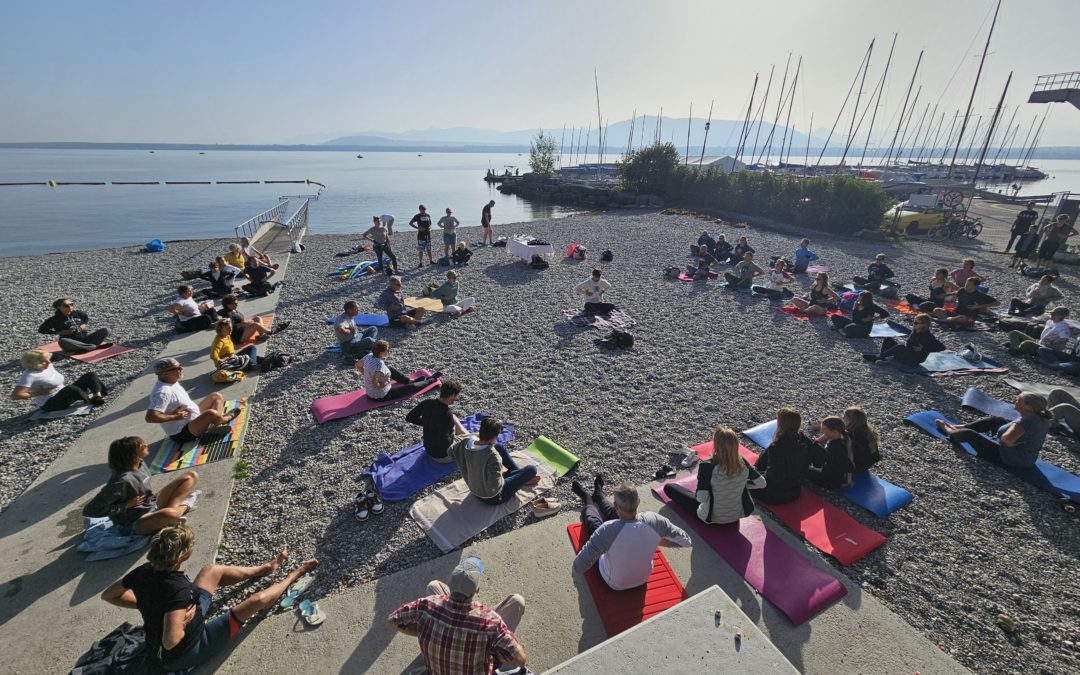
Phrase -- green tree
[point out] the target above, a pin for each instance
(650, 170)
(542, 155)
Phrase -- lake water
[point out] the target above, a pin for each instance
(38, 219)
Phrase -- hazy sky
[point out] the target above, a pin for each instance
(271, 71)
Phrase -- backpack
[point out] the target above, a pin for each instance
(155, 246)
(227, 376)
(672, 272)
(538, 263)
(607, 256)
(580, 253)
(427, 290)
(121, 651)
(847, 300)
(275, 360)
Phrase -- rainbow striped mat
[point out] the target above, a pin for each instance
(168, 455)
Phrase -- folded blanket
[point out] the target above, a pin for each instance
(104, 540)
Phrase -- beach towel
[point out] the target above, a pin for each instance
(818, 269)
(889, 329)
(88, 357)
(683, 276)
(103, 540)
(76, 411)
(781, 574)
(800, 315)
(355, 402)
(550, 453)
(1040, 388)
(901, 306)
(407, 471)
(168, 455)
(620, 610)
(940, 364)
(451, 516)
(978, 400)
(873, 493)
(603, 323)
(365, 320)
(1043, 475)
(429, 304)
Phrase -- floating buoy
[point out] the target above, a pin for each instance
(52, 183)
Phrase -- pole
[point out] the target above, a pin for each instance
(1005, 138)
(776, 118)
(761, 113)
(1035, 139)
(971, 99)
(881, 90)
(708, 123)
(907, 125)
(948, 139)
(971, 145)
(918, 131)
(844, 105)
(810, 132)
(562, 142)
(599, 123)
(903, 110)
(855, 109)
(745, 133)
(791, 101)
(689, 121)
(990, 131)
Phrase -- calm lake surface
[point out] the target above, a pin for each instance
(38, 219)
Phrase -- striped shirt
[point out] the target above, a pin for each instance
(457, 638)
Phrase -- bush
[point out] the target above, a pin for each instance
(542, 155)
(650, 170)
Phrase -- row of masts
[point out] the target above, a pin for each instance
(918, 144)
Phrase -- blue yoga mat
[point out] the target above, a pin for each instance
(876, 495)
(940, 362)
(984, 403)
(1043, 475)
(724, 284)
(407, 471)
(889, 329)
(365, 320)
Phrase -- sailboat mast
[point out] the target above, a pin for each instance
(745, 133)
(1005, 138)
(903, 110)
(948, 139)
(599, 123)
(918, 132)
(844, 104)
(708, 123)
(855, 109)
(971, 145)
(1035, 139)
(761, 113)
(767, 147)
(971, 99)
(689, 121)
(877, 104)
(991, 130)
(927, 147)
(791, 101)
(907, 125)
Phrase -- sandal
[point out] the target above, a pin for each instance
(296, 590)
(311, 613)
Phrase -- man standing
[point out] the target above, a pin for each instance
(354, 342)
(487, 467)
(180, 418)
(457, 635)
(1023, 222)
(621, 540)
(1053, 237)
(485, 222)
(422, 223)
(449, 225)
(440, 425)
(593, 289)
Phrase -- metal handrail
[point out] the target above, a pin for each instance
(249, 227)
(1058, 81)
(297, 223)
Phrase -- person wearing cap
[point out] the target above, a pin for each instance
(181, 418)
(457, 635)
(1024, 220)
(379, 236)
(449, 225)
(622, 540)
(70, 327)
(422, 222)
(448, 293)
(488, 468)
(876, 273)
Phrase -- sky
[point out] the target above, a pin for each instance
(273, 71)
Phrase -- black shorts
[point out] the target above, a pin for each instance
(396, 320)
(184, 435)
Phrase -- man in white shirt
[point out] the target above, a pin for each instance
(1052, 342)
(593, 289)
(181, 418)
(254, 254)
(192, 315)
(622, 540)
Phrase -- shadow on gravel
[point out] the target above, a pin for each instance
(511, 273)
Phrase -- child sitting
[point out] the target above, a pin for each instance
(831, 463)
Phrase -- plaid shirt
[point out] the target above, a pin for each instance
(457, 638)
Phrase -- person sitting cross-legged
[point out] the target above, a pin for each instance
(804, 256)
(622, 540)
(127, 499)
(181, 418)
(1052, 343)
(720, 496)
(458, 635)
(441, 427)
(1037, 298)
(224, 353)
(919, 345)
(354, 340)
(377, 376)
(745, 272)
(862, 317)
(191, 316)
(821, 298)
(876, 274)
(970, 304)
(70, 327)
(392, 301)
(179, 633)
(593, 289)
(490, 472)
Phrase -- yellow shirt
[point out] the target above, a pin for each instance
(236, 260)
(221, 349)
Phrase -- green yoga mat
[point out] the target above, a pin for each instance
(553, 455)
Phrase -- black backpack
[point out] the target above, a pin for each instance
(538, 263)
(607, 256)
(275, 360)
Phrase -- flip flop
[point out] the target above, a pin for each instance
(296, 590)
(311, 613)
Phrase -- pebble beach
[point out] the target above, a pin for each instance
(975, 544)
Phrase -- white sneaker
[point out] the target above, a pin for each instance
(192, 499)
(690, 459)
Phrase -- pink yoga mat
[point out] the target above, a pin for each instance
(683, 276)
(829, 529)
(89, 357)
(783, 577)
(355, 402)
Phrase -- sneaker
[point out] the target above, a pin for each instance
(192, 499)
(690, 459)
(279, 327)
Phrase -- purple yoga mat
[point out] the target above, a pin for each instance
(780, 573)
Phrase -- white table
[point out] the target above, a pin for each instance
(518, 246)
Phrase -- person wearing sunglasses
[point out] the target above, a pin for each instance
(71, 326)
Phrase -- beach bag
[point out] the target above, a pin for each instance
(275, 360)
(622, 338)
(227, 376)
(427, 290)
(445, 261)
(847, 300)
(235, 362)
(970, 353)
(607, 256)
(580, 253)
(155, 246)
(538, 263)
(121, 651)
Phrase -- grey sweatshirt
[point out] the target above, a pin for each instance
(112, 500)
(480, 467)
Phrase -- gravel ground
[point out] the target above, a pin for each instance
(121, 289)
(975, 543)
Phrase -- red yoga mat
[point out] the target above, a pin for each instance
(781, 574)
(829, 529)
(89, 357)
(620, 610)
(355, 402)
(800, 315)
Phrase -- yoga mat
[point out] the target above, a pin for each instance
(266, 320)
(620, 610)
(451, 516)
(817, 269)
(429, 304)
(550, 453)
(889, 329)
(365, 320)
(781, 574)
(406, 472)
(1043, 475)
(355, 402)
(1040, 388)
(984, 403)
(901, 306)
(875, 494)
(683, 276)
(949, 363)
(60, 414)
(829, 529)
(616, 318)
(88, 357)
(168, 455)
(800, 315)
(737, 289)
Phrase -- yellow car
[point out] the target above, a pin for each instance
(915, 222)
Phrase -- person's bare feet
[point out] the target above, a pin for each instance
(308, 566)
(535, 480)
(273, 565)
(944, 427)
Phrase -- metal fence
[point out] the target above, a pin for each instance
(1058, 81)
(298, 222)
(249, 227)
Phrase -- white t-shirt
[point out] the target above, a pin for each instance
(1055, 335)
(344, 322)
(50, 377)
(187, 305)
(372, 365)
(776, 280)
(593, 290)
(171, 398)
(249, 251)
